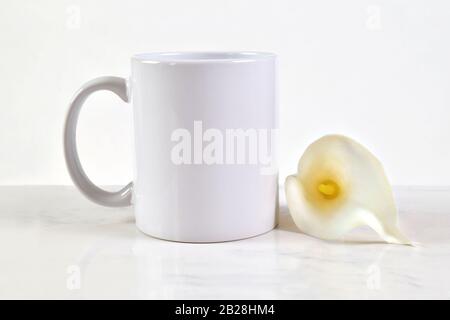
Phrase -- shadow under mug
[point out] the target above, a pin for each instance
(205, 127)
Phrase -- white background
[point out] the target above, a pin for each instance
(378, 71)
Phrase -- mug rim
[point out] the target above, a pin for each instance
(202, 56)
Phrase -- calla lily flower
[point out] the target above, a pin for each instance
(339, 186)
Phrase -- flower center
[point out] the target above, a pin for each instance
(328, 189)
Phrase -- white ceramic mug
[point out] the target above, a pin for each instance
(198, 175)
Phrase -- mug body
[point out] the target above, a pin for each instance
(205, 145)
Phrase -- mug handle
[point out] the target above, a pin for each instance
(119, 198)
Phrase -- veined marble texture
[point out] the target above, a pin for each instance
(55, 244)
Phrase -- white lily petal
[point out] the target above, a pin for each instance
(340, 185)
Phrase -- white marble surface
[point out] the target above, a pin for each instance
(49, 234)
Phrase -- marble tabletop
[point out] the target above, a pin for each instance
(55, 244)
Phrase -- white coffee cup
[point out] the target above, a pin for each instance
(199, 174)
